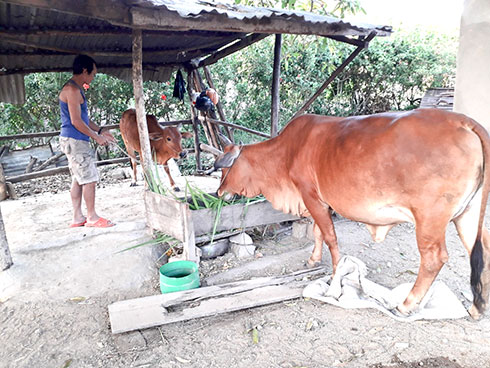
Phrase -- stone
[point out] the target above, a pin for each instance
(243, 251)
(242, 238)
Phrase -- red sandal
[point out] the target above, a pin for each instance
(101, 222)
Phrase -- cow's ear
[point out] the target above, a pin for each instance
(187, 135)
(224, 140)
(155, 136)
(227, 159)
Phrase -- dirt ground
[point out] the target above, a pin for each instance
(53, 301)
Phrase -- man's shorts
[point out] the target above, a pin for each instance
(81, 160)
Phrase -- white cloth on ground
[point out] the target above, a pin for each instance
(350, 288)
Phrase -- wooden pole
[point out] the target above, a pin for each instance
(219, 105)
(146, 161)
(239, 127)
(59, 170)
(3, 184)
(334, 74)
(276, 73)
(5, 257)
(195, 122)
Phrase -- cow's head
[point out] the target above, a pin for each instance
(226, 161)
(167, 144)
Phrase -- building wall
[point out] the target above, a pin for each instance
(472, 92)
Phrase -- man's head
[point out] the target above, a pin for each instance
(85, 64)
(82, 62)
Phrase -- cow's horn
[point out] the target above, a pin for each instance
(224, 140)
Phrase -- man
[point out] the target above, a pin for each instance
(76, 131)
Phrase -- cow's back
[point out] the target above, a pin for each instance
(129, 129)
(377, 169)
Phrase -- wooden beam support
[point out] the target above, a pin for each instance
(100, 67)
(334, 75)
(239, 127)
(116, 31)
(57, 132)
(276, 73)
(60, 170)
(234, 47)
(203, 48)
(146, 160)
(351, 41)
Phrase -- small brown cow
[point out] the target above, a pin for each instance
(427, 167)
(165, 142)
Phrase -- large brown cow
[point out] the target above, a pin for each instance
(165, 142)
(427, 167)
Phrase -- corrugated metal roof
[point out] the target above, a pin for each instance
(201, 8)
(36, 37)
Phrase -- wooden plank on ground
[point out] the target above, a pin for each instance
(153, 311)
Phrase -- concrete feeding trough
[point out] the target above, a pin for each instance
(174, 218)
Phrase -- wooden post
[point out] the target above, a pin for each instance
(276, 72)
(334, 74)
(197, 145)
(3, 184)
(5, 257)
(195, 121)
(146, 161)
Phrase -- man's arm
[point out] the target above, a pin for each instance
(73, 100)
(101, 131)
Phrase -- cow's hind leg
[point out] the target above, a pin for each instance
(479, 252)
(431, 243)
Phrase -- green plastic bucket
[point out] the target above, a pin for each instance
(178, 276)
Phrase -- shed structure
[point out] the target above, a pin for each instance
(148, 40)
(472, 95)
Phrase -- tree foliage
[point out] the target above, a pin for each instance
(392, 74)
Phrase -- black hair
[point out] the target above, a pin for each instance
(83, 62)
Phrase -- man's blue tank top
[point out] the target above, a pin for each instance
(67, 128)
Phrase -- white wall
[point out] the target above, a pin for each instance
(472, 93)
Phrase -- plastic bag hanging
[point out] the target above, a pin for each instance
(179, 86)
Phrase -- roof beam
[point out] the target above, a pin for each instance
(116, 31)
(214, 57)
(203, 48)
(113, 11)
(100, 68)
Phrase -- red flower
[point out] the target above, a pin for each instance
(163, 97)
(86, 86)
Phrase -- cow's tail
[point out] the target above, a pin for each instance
(476, 257)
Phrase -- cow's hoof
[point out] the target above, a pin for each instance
(402, 311)
(474, 312)
(313, 264)
(133, 185)
(176, 189)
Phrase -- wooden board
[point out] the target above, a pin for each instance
(238, 216)
(165, 214)
(153, 311)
